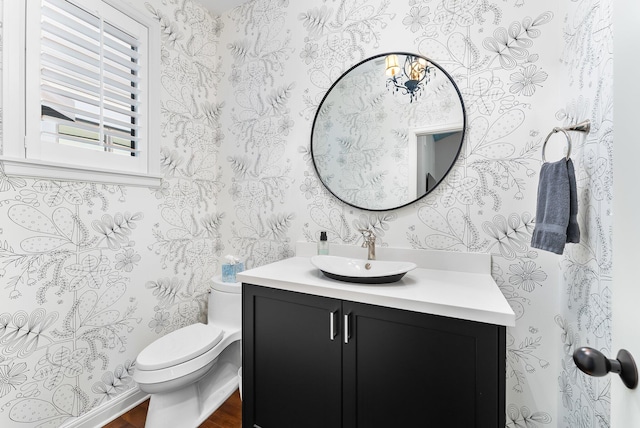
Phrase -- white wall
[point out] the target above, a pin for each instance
(586, 92)
(281, 57)
(239, 95)
(625, 404)
(73, 318)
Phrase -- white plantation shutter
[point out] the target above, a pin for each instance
(81, 91)
(89, 81)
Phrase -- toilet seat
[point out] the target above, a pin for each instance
(179, 346)
(188, 368)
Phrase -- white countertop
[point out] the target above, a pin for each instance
(465, 295)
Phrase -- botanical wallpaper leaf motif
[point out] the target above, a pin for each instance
(585, 317)
(75, 257)
(336, 39)
(501, 57)
(260, 124)
(92, 273)
(187, 240)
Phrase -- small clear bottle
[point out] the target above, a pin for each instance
(323, 244)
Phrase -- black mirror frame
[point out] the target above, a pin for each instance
(455, 159)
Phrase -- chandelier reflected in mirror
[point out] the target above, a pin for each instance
(411, 78)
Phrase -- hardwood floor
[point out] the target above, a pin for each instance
(229, 415)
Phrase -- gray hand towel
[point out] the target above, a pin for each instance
(556, 214)
(573, 230)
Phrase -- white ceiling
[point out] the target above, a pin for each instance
(220, 6)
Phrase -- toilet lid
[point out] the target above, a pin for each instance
(227, 287)
(179, 346)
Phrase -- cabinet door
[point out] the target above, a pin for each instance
(406, 369)
(292, 369)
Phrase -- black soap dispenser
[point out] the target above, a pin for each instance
(323, 244)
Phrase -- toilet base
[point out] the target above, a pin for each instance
(188, 407)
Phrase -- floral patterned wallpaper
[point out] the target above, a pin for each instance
(585, 314)
(91, 274)
(500, 56)
(283, 58)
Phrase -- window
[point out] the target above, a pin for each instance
(85, 107)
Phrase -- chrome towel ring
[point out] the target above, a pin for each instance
(566, 134)
(584, 126)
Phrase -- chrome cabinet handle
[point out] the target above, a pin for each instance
(332, 325)
(346, 328)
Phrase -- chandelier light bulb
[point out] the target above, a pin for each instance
(410, 79)
(391, 65)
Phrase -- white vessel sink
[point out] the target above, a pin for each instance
(362, 271)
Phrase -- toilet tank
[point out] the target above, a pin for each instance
(225, 304)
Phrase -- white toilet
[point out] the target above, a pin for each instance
(191, 371)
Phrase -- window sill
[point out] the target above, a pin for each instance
(58, 171)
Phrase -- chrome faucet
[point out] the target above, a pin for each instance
(369, 243)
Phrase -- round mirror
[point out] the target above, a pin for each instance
(388, 131)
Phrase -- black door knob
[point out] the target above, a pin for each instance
(594, 363)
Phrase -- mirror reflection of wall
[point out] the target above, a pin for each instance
(430, 147)
(364, 141)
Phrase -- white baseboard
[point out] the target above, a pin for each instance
(109, 410)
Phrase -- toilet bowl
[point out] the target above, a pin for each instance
(191, 371)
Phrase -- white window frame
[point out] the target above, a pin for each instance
(22, 154)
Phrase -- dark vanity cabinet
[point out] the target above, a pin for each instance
(291, 371)
(311, 361)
